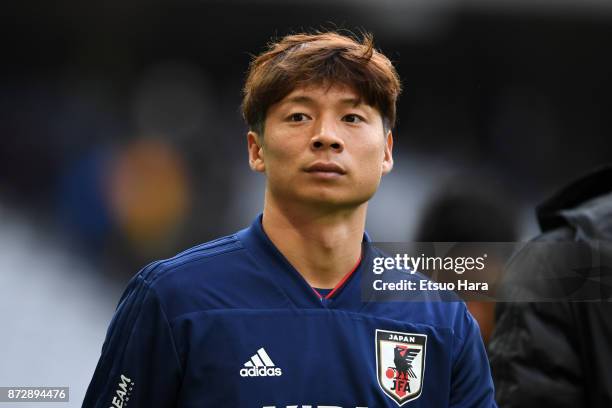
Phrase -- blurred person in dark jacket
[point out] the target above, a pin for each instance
(559, 353)
(472, 211)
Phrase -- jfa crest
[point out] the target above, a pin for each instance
(400, 364)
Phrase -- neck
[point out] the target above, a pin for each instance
(322, 245)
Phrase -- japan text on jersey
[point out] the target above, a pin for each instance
(231, 323)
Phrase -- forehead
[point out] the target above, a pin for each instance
(324, 93)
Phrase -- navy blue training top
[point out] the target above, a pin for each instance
(230, 323)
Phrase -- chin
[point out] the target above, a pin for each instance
(335, 199)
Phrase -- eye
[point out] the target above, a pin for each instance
(352, 118)
(297, 117)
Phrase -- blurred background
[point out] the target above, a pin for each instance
(122, 140)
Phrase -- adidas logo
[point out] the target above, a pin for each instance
(260, 365)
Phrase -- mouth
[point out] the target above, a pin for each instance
(325, 169)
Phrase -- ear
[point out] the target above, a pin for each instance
(256, 159)
(387, 163)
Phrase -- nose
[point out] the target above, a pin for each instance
(326, 138)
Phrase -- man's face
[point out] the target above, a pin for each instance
(322, 146)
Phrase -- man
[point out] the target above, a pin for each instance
(557, 352)
(272, 316)
(468, 208)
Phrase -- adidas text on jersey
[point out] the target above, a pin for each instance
(260, 365)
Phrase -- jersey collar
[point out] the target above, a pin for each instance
(347, 294)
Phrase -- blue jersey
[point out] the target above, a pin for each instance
(231, 323)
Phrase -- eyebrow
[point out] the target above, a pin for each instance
(309, 101)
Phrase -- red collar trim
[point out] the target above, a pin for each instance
(341, 283)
